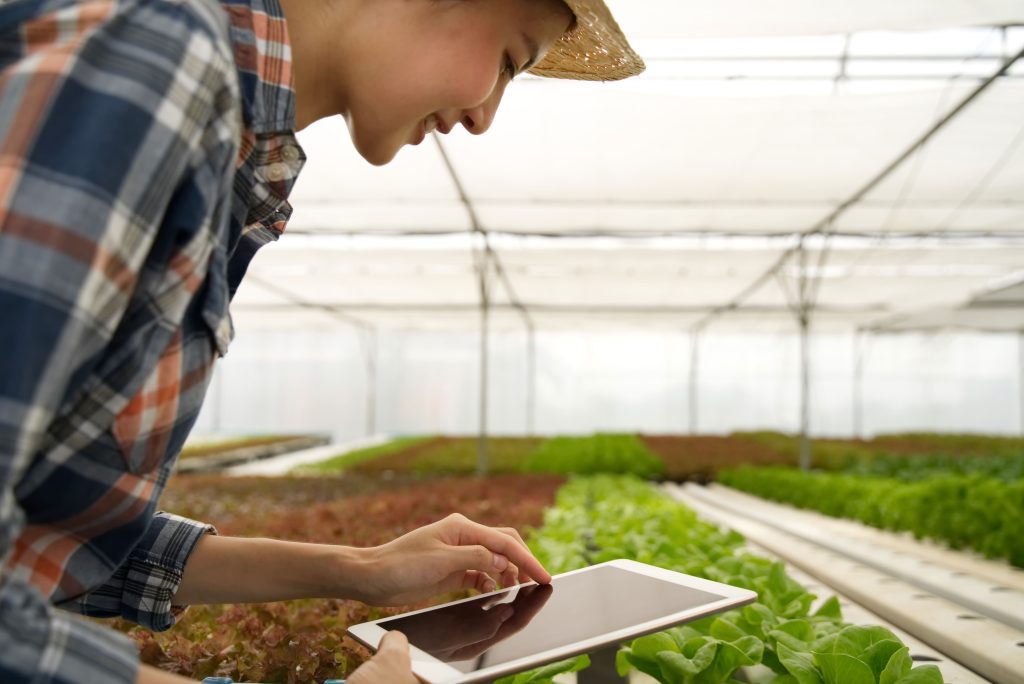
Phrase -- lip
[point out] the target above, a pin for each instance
(420, 133)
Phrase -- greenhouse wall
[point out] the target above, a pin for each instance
(428, 382)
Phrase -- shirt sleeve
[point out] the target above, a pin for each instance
(142, 590)
(105, 107)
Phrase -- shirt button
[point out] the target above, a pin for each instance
(290, 153)
(277, 172)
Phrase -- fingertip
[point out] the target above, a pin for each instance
(394, 639)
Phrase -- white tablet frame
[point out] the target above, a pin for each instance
(433, 671)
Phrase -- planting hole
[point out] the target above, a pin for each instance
(1001, 589)
(1021, 644)
(969, 617)
(925, 659)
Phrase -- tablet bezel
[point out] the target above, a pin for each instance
(434, 671)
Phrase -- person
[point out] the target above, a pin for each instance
(148, 150)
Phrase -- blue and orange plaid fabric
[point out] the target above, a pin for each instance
(146, 153)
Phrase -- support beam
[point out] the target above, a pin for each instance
(485, 306)
(859, 343)
(531, 381)
(1020, 376)
(694, 378)
(805, 391)
(370, 341)
(825, 224)
(805, 304)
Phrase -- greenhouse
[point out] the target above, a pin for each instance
(754, 316)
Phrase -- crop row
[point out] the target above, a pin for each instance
(676, 457)
(964, 511)
(604, 517)
(671, 457)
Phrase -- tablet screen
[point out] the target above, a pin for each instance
(522, 621)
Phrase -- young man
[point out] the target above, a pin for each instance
(148, 150)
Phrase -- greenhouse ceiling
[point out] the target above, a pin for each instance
(861, 163)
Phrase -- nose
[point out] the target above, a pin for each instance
(478, 119)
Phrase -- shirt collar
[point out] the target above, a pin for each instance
(263, 57)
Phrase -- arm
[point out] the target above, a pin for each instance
(454, 553)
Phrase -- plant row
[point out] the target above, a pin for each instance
(963, 511)
(778, 639)
(1007, 467)
(600, 453)
(678, 457)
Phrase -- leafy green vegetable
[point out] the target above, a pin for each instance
(603, 517)
(546, 674)
(963, 511)
(601, 453)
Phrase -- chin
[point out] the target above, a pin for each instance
(376, 152)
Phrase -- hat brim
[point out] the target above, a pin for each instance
(595, 49)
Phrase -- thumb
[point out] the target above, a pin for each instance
(476, 557)
(394, 645)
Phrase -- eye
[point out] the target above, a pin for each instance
(510, 68)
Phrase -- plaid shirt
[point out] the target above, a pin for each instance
(146, 153)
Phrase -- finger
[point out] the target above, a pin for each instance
(510, 577)
(514, 533)
(394, 648)
(476, 557)
(481, 581)
(503, 545)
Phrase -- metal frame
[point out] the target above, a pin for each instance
(802, 302)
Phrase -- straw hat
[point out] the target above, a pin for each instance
(594, 50)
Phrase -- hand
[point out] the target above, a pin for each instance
(451, 554)
(391, 664)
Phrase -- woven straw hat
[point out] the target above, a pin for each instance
(594, 50)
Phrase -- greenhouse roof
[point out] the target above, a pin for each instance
(862, 161)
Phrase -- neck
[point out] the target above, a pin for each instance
(314, 64)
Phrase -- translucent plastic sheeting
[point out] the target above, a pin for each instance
(656, 163)
(742, 18)
(563, 283)
(292, 380)
(1000, 310)
(754, 120)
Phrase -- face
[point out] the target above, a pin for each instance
(423, 65)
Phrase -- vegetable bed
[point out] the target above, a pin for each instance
(777, 639)
(978, 512)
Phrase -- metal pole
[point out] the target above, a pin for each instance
(805, 391)
(531, 381)
(371, 382)
(804, 317)
(485, 305)
(858, 384)
(1020, 381)
(694, 363)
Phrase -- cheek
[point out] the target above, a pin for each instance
(474, 83)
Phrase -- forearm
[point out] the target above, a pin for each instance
(239, 570)
(152, 675)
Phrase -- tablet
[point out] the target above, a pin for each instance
(526, 626)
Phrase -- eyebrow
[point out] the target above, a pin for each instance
(531, 45)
